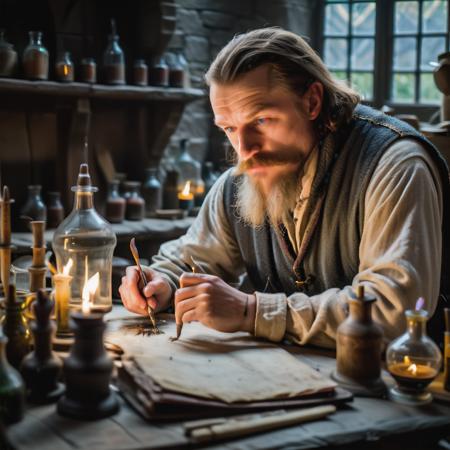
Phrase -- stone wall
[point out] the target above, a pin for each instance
(203, 28)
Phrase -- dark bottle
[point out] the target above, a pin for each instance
(209, 176)
(35, 58)
(12, 388)
(88, 70)
(34, 207)
(41, 368)
(170, 190)
(64, 69)
(55, 210)
(152, 192)
(113, 59)
(135, 206)
(115, 204)
(140, 73)
(15, 328)
(8, 57)
(177, 69)
(158, 74)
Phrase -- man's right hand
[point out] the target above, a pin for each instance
(157, 292)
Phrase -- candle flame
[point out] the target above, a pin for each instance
(67, 267)
(187, 189)
(65, 70)
(406, 360)
(412, 368)
(89, 289)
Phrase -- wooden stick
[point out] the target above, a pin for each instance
(234, 428)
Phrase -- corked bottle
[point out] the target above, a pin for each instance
(358, 347)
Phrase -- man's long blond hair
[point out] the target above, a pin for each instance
(293, 62)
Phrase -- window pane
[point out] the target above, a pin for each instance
(403, 89)
(434, 16)
(431, 48)
(406, 17)
(340, 75)
(363, 18)
(405, 53)
(336, 19)
(336, 53)
(362, 54)
(363, 83)
(428, 91)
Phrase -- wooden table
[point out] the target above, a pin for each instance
(363, 424)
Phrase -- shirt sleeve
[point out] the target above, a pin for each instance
(209, 241)
(399, 253)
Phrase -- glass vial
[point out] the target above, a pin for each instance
(152, 192)
(140, 73)
(115, 204)
(64, 68)
(35, 58)
(113, 59)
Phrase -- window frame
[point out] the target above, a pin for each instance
(383, 68)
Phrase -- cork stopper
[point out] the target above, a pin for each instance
(84, 179)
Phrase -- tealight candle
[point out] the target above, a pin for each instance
(186, 197)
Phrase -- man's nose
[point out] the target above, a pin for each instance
(248, 144)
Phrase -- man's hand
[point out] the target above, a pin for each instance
(157, 292)
(215, 304)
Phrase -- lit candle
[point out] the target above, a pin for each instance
(186, 197)
(89, 289)
(62, 298)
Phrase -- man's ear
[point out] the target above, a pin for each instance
(315, 98)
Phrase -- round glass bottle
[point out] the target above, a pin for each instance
(413, 360)
(115, 204)
(158, 74)
(55, 210)
(34, 207)
(86, 238)
(8, 57)
(135, 208)
(152, 192)
(35, 58)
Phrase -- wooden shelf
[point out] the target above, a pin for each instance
(99, 91)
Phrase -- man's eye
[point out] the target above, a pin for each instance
(261, 120)
(228, 129)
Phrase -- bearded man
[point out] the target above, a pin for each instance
(326, 194)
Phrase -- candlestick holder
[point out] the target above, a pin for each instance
(358, 348)
(413, 360)
(5, 238)
(87, 371)
(38, 267)
(41, 368)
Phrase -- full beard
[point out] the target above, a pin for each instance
(254, 206)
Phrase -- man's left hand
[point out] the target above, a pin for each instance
(214, 303)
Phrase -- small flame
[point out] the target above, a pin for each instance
(419, 304)
(67, 267)
(88, 292)
(187, 189)
(406, 360)
(412, 368)
(65, 70)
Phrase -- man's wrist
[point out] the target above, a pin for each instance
(249, 313)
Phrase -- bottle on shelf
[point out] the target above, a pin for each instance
(158, 74)
(55, 209)
(152, 192)
(135, 206)
(88, 70)
(140, 73)
(8, 57)
(34, 207)
(35, 58)
(113, 59)
(64, 67)
(115, 204)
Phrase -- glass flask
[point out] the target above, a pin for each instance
(34, 207)
(64, 68)
(8, 57)
(414, 360)
(88, 240)
(190, 170)
(152, 191)
(115, 204)
(35, 58)
(158, 74)
(113, 59)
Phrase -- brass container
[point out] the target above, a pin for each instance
(358, 348)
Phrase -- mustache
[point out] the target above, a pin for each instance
(266, 159)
